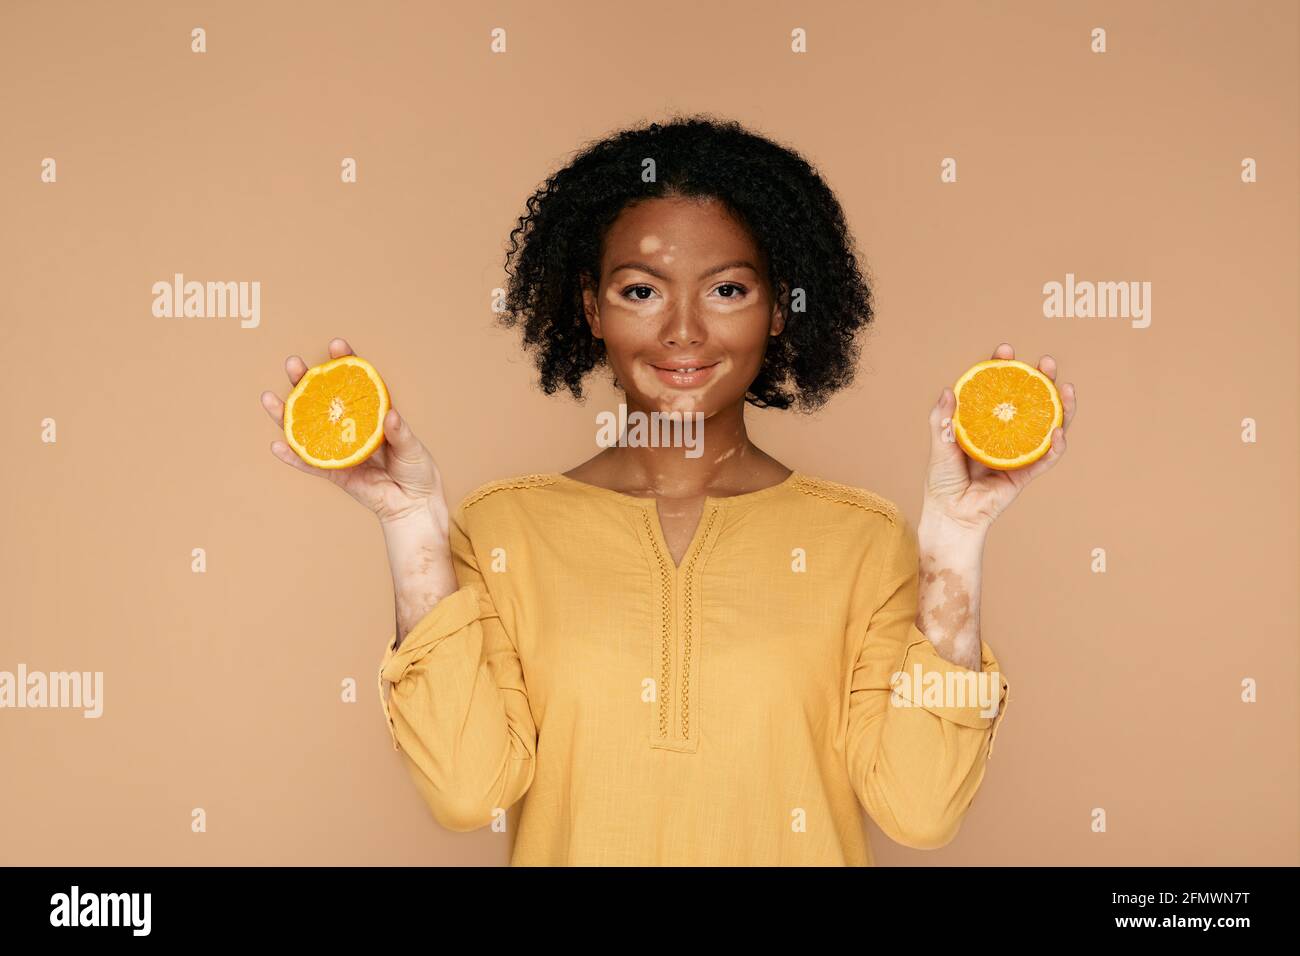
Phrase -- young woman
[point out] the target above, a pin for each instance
(673, 657)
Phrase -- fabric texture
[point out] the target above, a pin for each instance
(742, 708)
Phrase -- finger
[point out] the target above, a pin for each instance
(1068, 402)
(406, 447)
(1004, 351)
(940, 421)
(1047, 365)
(1048, 460)
(295, 368)
(274, 407)
(287, 455)
(339, 348)
(943, 442)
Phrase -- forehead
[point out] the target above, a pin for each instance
(693, 226)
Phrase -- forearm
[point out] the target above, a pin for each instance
(419, 556)
(948, 604)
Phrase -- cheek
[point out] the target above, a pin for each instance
(746, 341)
(622, 328)
(628, 336)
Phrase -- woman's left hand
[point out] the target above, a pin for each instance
(968, 493)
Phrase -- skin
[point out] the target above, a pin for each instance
(661, 298)
(402, 485)
(962, 500)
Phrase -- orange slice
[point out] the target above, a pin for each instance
(1006, 412)
(334, 417)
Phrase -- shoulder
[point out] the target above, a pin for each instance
(847, 500)
(506, 488)
(870, 523)
(502, 505)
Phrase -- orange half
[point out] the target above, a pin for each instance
(1006, 412)
(334, 417)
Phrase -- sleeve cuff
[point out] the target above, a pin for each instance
(954, 693)
(448, 616)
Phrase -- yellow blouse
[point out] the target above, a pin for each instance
(735, 710)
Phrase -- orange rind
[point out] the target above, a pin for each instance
(334, 417)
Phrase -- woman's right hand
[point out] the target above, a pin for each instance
(398, 480)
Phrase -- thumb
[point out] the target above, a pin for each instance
(948, 473)
(943, 442)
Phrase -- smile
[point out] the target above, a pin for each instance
(685, 375)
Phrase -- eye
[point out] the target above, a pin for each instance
(637, 298)
(738, 294)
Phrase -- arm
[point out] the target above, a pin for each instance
(450, 682)
(948, 608)
(962, 500)
(453, 694)
(917, 744)
(420, 559)
(917, 756)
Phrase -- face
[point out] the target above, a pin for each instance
(682, 286)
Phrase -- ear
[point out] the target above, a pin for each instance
(591, 305)
(778, 311)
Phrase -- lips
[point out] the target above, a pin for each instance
(686, 373)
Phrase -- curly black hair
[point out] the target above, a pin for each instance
(779, 196)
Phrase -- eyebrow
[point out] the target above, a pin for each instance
(642, 267)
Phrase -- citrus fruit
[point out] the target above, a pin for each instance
(334, 417)
(1006, 412)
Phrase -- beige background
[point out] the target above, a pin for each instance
(222, 689)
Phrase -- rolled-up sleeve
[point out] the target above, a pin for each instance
(921, 728)
(454, 699)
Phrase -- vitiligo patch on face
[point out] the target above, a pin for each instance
(652, 387)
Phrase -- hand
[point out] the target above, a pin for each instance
(398, 480)
(967, 493)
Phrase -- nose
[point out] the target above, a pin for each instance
(683, 327)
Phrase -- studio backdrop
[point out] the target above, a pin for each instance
(355, 169)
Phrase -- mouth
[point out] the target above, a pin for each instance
(685, 374)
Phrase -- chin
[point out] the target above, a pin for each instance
(686, 402)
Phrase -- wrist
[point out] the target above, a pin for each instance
(427, 518)
(419, 553)
(938, 533)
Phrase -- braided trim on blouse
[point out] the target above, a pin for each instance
(846, 494)
(501, 484)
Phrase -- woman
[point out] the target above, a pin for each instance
(685, 657)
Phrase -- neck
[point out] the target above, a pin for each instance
(728, 460)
